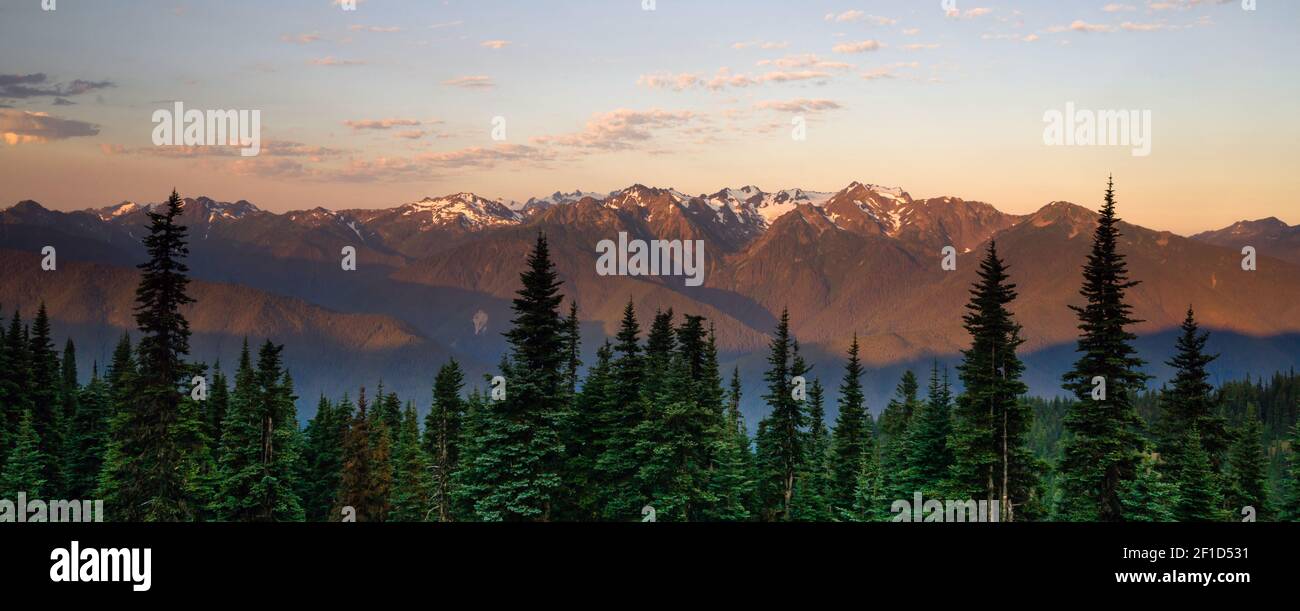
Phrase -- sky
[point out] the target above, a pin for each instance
(402, 99)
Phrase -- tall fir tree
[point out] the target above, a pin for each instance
(991, 424)
(732, 482)
(87, 439)
(1199, 497)
(361, 496)
(214, 411)
(928, 456)
(812, 498)
(258, 449)
(780, 438)
(146, 478)
(442, 435)
(46, 400)
(410, 496)
(1189, 404)
(1246, 471)
(895, 429)
(618, 496)
(516, 474)
(584, 442)
(24, 469)
(853, 435)
(1105, 442)
(323, 457)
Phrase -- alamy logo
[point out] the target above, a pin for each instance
(920, 509)
(180, 127)
(1099, 128)
(54, 511)
(653, 258)
(114, 565)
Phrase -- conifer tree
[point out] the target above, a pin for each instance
(621, 412)
(584, 442)
(1190, 405)
(927, 455)
(870, 504)
(24, 469)
(1289, 508)
(358, 494)
(780, 439)
(69, 388)
(895, 427)
(46, 401)
(442, 435)
(732, 482)
(1106, 442)
(516, 475)
(1246, 473)
(323, 457)
(216, 407)
(464, 503)
(1199, 499)
(669, 475)
(853, 435)
(258, 448)
(1149, 497)
(991, 460)
(812, 499)
(146, 477)
(87, 440)
(410, 497)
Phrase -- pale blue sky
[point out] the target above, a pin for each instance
(946, 104)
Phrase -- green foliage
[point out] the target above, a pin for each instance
(442, 436)
(145, 476)
(1106, 442)
(780, 434)
(853, 440)
(1199, 499)
(1246, 472)
(24, 469)
(411, 483)
(927, 455)
(515, 475)
(258, 447)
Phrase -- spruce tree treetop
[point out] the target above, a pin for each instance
(1107, 443)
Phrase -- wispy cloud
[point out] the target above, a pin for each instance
(495, 44)
(853, 16)
(381, 124)
(858, 47)
(333, 61)
(801, 105)
(37, 85)
(471, 82)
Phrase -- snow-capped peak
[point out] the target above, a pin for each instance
(468, 209)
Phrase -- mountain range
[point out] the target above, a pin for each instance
(864, 260)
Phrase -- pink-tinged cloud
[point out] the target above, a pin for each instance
(495, 44)
(621, 129)
(26, 127)
(381, 123)
(858, 47)
(802, 105)
(806, 60)
(301, 39)
(333, 61)
(471, 82)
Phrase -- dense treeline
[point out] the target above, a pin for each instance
(653, 430)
